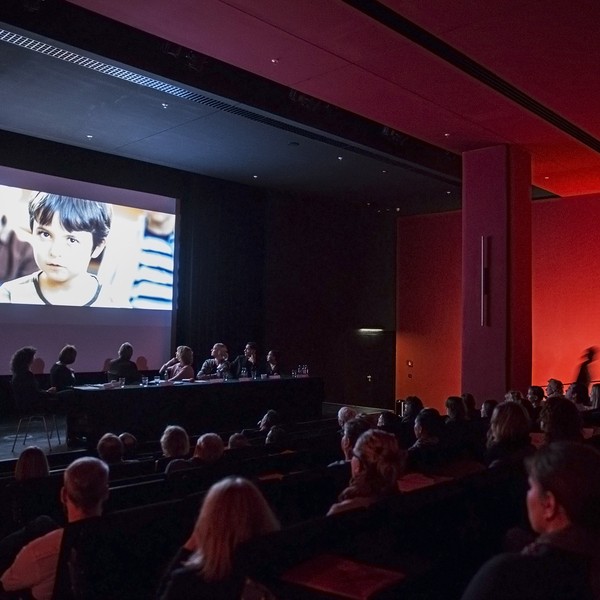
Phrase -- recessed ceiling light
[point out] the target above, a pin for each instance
(340, 158)
(384, 171)
(255, 176)
(89, 136)
(446, 135)
(397, 210)
(274, 60)
(368, 204)
(448, 192)
(165, 105)
(546, 177)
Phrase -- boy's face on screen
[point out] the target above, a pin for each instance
(62, 255)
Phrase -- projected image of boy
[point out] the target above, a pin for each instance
(66, 234)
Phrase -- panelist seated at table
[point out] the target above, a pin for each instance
(248, 364)
(274, 363)
(124, 366)
(180, 366)
(218, 366)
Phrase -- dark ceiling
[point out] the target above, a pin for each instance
(372, 103)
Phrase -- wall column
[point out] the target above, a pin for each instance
(496, 250)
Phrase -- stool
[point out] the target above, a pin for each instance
(41, 418)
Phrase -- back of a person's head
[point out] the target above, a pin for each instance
(455, 408)
(238, 440)
(560, 420)
(86, 482)
(271, 417)
(571, 472)
(234, 511)
(68, 355)
(110, 448)
(129, 442)
(413, 405)
(277, 435)
(209, 448)
(345, 414)
(21, 359)
(509, 422)
(32, 463)
(469, 401)
(175, 441)
(430, 422)
(354, 428)
(382, 462)
(126, 351)
(513, 396)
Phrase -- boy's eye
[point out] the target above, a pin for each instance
(72, 240)
(43, 234)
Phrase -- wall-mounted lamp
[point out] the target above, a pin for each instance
(369, 330)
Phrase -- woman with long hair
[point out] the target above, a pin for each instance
(508, 435)
(31, 464)
(27, 394)
(377, 464)
(180, 366)
(233, 512)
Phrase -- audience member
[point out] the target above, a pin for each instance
(180, 366)
(238, 440)
(110, 448)
(563, 505)
(208, 450)
(535, 395)
(345, 414)
(389, 421)
(554, 388)
(471, 406)
(487, 408)
(426, 454)
(276, 436)
(413, 405)
(247, 364)
(377, 464)
(175, 443)
(233, 512)
(27, 394)
(595, 396)
(516, 396)
(84, 491)
(62, 377)
(130, 444)
(578, 394)
(31, 464)
(124, 366)
(217, 366)
(352, 430)
(560, 420)
(508, 435)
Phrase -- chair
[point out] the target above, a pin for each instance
(37, 417)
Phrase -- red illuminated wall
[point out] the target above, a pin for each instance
(566, 286)
(429, 305)
(565, 296)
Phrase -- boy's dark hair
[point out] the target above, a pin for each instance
(68, 355)
(75, 214)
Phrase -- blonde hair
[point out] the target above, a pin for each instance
(233, 512)
(175, 441)
(509, 421)
(32, 463)
(382, 463)
(185, 354)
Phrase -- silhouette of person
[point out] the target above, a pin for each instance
(583, 376)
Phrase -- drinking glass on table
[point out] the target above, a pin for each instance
(144, 381)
